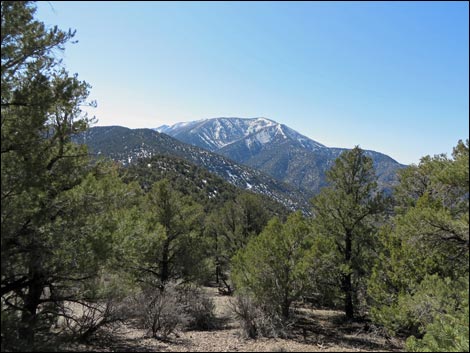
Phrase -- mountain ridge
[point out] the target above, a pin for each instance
(274, 149)
(127, 146)
(244, 128)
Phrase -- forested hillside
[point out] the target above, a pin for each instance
(128, 145)
(89, 246)
(204, 187)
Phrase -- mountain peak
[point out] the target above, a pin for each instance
(216, 133)
(273, 148)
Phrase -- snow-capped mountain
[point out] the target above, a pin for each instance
(274, 149)
(214, 134)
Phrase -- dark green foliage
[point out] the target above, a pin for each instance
(240, 220)
(232, 216)
(449, 329)
(273, 267)
(324, 273)
(57, 224)
(425, 252)
(184, 177)
(40, 168)
(232, 226)
(346, 215)
(182, 250)
(204, 187)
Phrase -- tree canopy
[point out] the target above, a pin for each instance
(346, 211)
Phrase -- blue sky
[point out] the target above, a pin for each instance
(388, 76)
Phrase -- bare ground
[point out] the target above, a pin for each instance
(319, 331)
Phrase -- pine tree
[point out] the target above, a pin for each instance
(182, 249)
(426, 242)
(233, 226)
(272, 267)
(48, 245)
(346, 212)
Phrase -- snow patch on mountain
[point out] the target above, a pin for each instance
(217, 133)
(167, 129)
(301, 139)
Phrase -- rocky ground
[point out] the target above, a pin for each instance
(322, 330)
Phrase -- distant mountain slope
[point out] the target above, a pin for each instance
(128, 145)
(205, 187)
(274, 149)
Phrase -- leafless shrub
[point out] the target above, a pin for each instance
(199, 309)
(255, 320)
(246, 312)
(82, 319)
(160, 311)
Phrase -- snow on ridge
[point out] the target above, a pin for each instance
(169, 128)
(266, 121)
(303, 140)
(218, 128)
(225, 131)
(206, 139)
(279, 129)
(162, 128)
(258, 124)
(264, 136)
(222, 131)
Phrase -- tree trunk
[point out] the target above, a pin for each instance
(217, 271)
(347, 280)
(348, 303)
(164, 262)
(217, 264)
(29, 315)
(285, 309)
(286, 304)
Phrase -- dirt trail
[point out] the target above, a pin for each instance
(323, 335)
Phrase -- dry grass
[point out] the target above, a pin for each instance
(317, 331)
